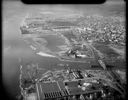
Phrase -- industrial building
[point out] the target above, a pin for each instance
(59, 90)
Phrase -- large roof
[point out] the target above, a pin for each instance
(74, 89)
(51, 90)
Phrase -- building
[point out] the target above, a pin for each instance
(51, 90)
(63, 90)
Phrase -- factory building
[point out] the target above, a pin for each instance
(51, 90)
(64, 90)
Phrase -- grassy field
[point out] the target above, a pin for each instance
(106, 50)
(61, 23)
(69, 35)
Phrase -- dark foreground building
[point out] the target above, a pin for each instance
(60, 90)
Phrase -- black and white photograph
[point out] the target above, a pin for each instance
(64, 51)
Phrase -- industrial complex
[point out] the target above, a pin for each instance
(71, 84)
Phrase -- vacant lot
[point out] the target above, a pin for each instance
(106, 50)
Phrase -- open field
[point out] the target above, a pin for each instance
(106, 50)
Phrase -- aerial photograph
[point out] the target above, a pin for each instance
(64, 51)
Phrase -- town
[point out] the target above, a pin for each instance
(96, 27)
